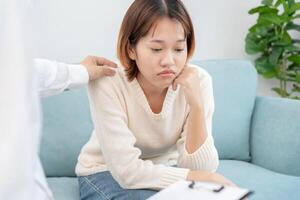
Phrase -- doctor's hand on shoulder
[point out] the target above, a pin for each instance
(98, 67)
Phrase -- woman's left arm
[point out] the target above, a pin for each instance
(196, 145)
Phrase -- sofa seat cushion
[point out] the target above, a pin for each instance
(64, 188)
(265, 183)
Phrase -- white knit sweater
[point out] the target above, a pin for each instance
(139, 147)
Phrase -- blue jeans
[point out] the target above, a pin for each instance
(102, 186)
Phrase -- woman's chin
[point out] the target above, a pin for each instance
(166, 84)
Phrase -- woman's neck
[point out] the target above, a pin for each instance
(150, 89)
(155, 96)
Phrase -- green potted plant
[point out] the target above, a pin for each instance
(278, 54)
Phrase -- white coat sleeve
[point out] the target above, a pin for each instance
(56, 77)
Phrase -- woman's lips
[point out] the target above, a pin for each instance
(166, 73)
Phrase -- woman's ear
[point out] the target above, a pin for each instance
(131, 52)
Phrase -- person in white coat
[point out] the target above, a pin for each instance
(56, 77)
(22, 81)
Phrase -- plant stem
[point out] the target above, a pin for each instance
(284, 74)
(283, 80)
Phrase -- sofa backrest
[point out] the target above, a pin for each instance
(67, 123)
(234, 83)
(275, 135)
(66, 128)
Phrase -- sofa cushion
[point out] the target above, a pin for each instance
(66, 128)
(266, 184)
(64, 188)
(234, 83)
(275, 135)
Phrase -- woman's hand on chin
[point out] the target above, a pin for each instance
(189, 81)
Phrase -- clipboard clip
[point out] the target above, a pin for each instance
(192, 185)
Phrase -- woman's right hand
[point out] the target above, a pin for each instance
(209, 177)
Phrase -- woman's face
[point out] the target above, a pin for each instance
(161, 54)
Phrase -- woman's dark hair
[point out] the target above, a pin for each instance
(138, 20)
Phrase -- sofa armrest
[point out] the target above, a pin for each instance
(275, 135)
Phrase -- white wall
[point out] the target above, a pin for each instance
(69, 30)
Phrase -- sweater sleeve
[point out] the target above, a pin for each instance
(117, 142)
(205, 158)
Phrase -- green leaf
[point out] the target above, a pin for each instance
(267, 2)
(296, 16)
(297, 78)
(296, 88)
(269, 18)
(291, 2)
(281, 92)
(264, 68)
(294, 59)
(295, 98)
(292, 26)
(269, 74)
(273, 39)
(291, 74)
(275, 55)
(285, 18)
(251, 48)
(281, 44)
(285, 41)
(256, 9)
(263, 9)
(292, 48)
(294, 7)
(259, 30)
(295, 41)
(286, 37)
(294, 67)
(253, 44)
(278, 3)
(285, 5)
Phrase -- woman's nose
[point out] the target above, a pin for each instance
(168, 59)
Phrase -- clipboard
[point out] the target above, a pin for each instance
(191, 190)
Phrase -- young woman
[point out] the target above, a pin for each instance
(153, 119)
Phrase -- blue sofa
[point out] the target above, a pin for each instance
(258, 138)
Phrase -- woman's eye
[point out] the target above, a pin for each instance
(156, 50)
(179, 50)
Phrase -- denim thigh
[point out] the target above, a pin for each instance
(102, 186)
